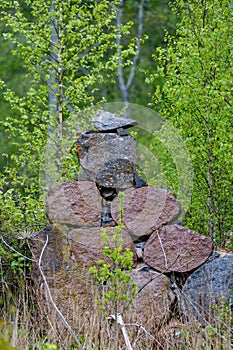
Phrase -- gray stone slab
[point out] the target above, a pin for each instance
(106, 121)
(209, 285)
(108, 158)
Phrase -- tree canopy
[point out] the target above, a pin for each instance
(193, 89)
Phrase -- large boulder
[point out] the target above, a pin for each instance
(70, 249)
(87, 244)
(145, 210)
(64, 285)
(176, 248)
(52, 241)
(65, 257)
(108, 158)
(75, 203)
(211, 284)
(151, 307)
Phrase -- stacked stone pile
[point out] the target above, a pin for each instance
(108, 159)
(78, 210)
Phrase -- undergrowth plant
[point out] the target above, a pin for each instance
(114, 287)
(216, 334)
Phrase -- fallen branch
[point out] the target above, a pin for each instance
(119, 321)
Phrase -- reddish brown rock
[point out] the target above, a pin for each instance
(52, 240)
(74, 250)
(75, 203)
(146, 209)
(87, 244)
(176, 248)
(65, 263)
(69, 283)
(151, 307)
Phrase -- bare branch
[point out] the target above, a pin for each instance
(137, 324)
(118, 319)
(51, 298)
(16, 251)
(164, 253)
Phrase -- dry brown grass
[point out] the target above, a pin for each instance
(22, 325)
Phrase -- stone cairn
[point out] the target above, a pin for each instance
(165, 253)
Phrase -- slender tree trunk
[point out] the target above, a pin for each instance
(55, 87)
(52, 95)
(126, 84)
(60, 87)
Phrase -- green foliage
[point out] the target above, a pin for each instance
(17, 263)
(65, 50)
(193, 90)
(49, 39)
(157, 15)
(165, 160)
(49, 346)
(115, 283)
(4, 345)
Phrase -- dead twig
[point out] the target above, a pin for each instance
(51, 298)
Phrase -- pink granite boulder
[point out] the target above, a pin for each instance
(75, 203)
(146, 209)
(176, 248)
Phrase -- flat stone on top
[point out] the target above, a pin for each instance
(106, 121)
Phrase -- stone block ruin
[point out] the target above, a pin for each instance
(169, 260)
